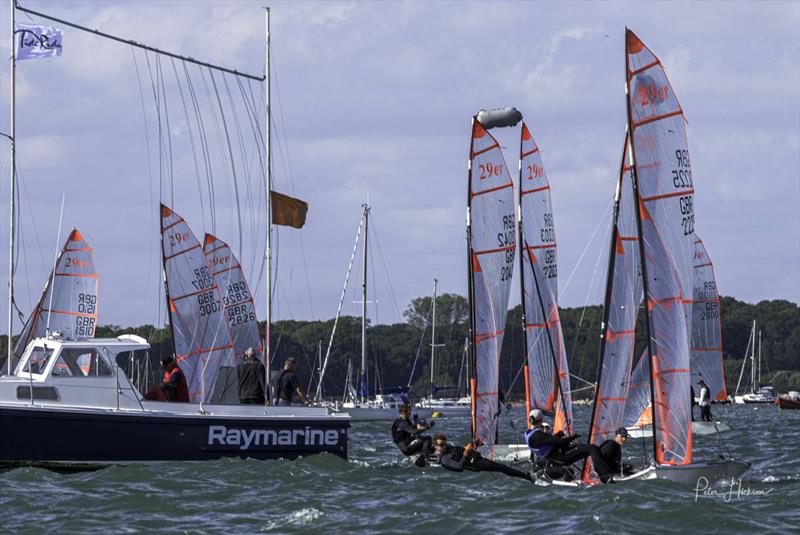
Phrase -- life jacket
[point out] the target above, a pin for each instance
(182, 392)
(542, 451)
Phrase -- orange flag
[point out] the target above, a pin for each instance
(288, 211)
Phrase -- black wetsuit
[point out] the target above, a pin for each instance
(607, 460)
(561, 455)
(409, 439)
(251, 382)
(453, 459)
(285, 387)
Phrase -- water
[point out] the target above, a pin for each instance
(377, 491)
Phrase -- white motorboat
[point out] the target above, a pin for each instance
(69, 404)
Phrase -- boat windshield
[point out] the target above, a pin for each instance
(80, 362)
(38, 360)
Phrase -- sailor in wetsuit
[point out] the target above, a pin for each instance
(553, 454)
(408, 437)
(458, 459)
(607, 458)
(705, 402)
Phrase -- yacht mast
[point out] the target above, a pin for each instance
(433, 334)
(268, 180)
(363, 382)
(12, 193)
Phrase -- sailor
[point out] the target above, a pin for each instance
(705, 402)
(251, 379)
(174, 386)
(458, 459)
(692, 401)
(408, 437)
(553, 454)
(286, 385)
(607, 458)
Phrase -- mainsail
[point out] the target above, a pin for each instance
(240, 311)
(69, 301)
(663, 179)
(548, 374)
(491, 237)
(623, 295)
(201, 335)
(706, 343)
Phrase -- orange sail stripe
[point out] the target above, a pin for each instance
(668, 195)
(490, 190)
(649, 120)
(170, 257)
(534, 190)
(487, 149)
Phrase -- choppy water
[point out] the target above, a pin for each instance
(376, 491)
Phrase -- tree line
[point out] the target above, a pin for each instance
(399, 354)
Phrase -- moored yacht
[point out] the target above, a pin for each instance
(69, 404)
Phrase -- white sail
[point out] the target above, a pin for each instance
(706, 345)
(548, 373)
(69, 302)
(202, 338)
(492, 242)
(666, 212)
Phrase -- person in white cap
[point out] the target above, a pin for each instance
(552, 452)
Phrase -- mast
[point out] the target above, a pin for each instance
(363, 384)
(268, 183)
(526, 371)
(753, 360)
(471, 358)
(12, 193)
(433, 333)
(642, 257)
(759, 361)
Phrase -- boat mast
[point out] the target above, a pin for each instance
(472, 373)
(12, 193)
(753, 360)
(642, 256)
(759, 361)
(433, 334)
(363, 384)
(268, 183)
(526, 370)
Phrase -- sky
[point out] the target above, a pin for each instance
(373, 101)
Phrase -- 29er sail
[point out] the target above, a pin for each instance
(665, 213)
(547, 372)
(69, 302)
(491, 238)
(201, 336)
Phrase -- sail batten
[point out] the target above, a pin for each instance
(492, 249)
(69, 301)
(201, 335)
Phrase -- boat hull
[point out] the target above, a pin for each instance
(63, 437)
(786, 403)
(698, 428)
(703, 473)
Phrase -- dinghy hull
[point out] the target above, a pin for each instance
(696, 473)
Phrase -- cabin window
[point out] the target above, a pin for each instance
(38, 360)
(80, 362)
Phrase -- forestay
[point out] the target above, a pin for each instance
(202, 339)
(68, 304)
(240, 311)
(665, 192)
(548, 373)
(706, 345)
(623, 295)
(492, 246)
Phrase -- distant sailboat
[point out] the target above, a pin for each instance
(68, 305)
(757, 393)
